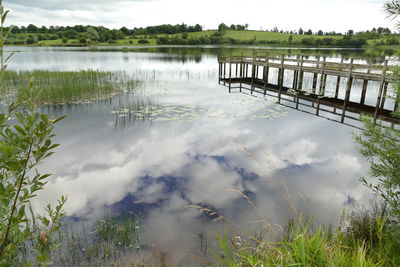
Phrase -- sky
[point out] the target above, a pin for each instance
(326, 15)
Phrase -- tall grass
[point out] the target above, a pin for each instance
(364, 238)
(62, 87)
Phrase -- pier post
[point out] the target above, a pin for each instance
(381, 87)
(364, 91)
(384, 95)
(224, 75)
(323, 78)
(253, 73)
(280, 78)
(348, 90)
(300, 82)
(219, 72)
(241, 73)
(314, 83)
(230, 74)
(266, 70)
(236, 70)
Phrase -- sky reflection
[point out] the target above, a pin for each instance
(159, 168)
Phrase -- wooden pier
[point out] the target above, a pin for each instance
(255, 73)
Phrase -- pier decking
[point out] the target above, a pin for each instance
(255, 72)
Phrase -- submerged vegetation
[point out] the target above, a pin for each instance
(60, 87)
(107, 242)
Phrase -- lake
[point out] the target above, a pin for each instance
(181, 139)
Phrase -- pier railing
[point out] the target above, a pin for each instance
(254, 71)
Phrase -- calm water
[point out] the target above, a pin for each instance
(200, 143)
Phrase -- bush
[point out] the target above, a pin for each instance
(143, 41)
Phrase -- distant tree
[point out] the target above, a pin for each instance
(290, 39)
(350, 32)
(246, 26)
(222, 27)
(301, 32)
(32, 29)
(275, 29)
(92, 34)
(309, 32)
(320, 32)
(125, 31)
(198, 28)
(233, 27)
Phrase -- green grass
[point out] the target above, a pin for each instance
(364, 238)
(62, 87)
(259, 35)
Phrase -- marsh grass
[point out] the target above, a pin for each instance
(65, 87)
(364, 238)
(110, 241)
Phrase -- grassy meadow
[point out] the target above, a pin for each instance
(235, 37)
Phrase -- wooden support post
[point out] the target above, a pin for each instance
(384, 96)
(338, 85)
(280, 78)
(241, 73)
(230, 75)
(296, 73)
(300, 82)
(348, 90)
(314, 83)
(257, 72)
(323, 78)
(219, 72)
(266, 70)
(364, 90)
(318, 105)
(381, 87)
(253, 73)
(236, 70)
(338, 81)
(224, 75)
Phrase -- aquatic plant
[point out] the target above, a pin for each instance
(61, 87)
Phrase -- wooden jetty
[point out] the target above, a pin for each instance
(255, 71)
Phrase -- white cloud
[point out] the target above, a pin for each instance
(287, 15)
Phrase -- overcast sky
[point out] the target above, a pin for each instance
(327, 15)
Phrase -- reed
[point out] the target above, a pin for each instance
(64, 87)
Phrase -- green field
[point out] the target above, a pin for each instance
(258, 35)
(245, 36)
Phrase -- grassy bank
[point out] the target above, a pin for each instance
(61, 87)
(363, 239)
(244, 37)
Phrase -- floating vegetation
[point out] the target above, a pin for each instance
(65, 87)
(240, 108)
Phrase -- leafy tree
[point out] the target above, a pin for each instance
(301, 32)
(381, 146)
(24, 144)
(222, 27)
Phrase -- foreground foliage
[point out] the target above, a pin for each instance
(25, 141)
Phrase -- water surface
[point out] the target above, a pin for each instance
(194, 144)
